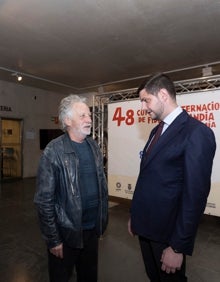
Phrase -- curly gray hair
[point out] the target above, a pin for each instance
(65, 108)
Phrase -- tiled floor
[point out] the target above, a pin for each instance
(23, 253)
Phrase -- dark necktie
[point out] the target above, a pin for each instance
(156, 137)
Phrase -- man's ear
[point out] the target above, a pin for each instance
(163, 94)
(67, 121)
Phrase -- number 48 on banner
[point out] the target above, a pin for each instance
(128, 118)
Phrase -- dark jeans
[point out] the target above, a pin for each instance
(151, 253)
(85, 261)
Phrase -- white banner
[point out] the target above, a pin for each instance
(128, 131)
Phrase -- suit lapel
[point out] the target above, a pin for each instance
(175, 127)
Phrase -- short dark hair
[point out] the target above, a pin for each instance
(156, 82)
(142, 86)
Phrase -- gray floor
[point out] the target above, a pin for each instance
(23, 254)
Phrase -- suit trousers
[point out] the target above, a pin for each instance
(84, 261)
(151, 253)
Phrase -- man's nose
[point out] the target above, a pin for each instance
(89, 118)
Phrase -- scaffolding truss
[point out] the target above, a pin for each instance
(101, 101)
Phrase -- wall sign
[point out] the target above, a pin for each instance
(5, 109)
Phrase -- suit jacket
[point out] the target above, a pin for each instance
(173, 184)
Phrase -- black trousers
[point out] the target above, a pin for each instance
(83, 261)
(151, 253)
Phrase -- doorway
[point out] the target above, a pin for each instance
(11, 148)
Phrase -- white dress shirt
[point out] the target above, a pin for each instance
(171, 117)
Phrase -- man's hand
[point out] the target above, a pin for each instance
(171, 261)
(57, 251)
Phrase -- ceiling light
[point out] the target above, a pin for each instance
(18, 76)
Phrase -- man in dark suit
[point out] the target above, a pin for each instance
(173, 183)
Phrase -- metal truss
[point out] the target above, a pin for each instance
(100, 103)
(198, 84)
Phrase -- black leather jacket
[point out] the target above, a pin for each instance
(58, 198)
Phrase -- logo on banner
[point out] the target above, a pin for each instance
(129, 189)
(118, 186)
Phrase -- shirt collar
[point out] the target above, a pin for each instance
(170, 118)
